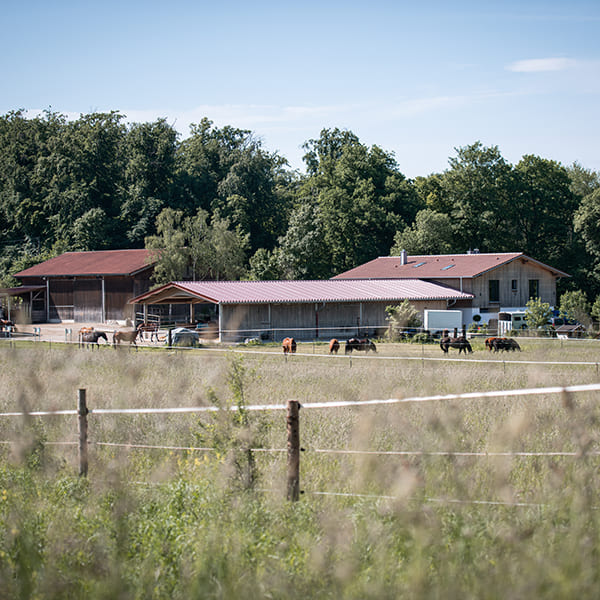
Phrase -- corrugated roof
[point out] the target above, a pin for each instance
(103, 262)
(259, 292)
(447, 266)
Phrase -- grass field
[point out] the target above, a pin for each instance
(440, 499)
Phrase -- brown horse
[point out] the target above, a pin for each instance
(461, 343)
(334, 346)
(125, 335)
(289, 345)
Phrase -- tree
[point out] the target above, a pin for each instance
(169, 248)
(477, 190)
(362, 197)
(431, 233)
(228, 173)
(150, 154)
(401, 317)
(575, 305)
(595, 310)
(302, 252)
(543, 212)
(537, 313)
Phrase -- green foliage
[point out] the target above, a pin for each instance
(431, 233)
(537, 314)
(362, 197)
(401, 317)
(575, 305)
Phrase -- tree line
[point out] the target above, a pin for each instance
(224, 207)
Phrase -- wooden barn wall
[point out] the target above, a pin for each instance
(519, 270)
(309, 321)
(523, 273)
(87, 300)
(118, 291)
(60, 302)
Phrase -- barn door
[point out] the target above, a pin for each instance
(87, 301)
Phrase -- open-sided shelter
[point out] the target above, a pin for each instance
(302, 309)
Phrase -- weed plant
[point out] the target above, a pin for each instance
(469, 510)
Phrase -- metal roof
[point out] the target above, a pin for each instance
(103, 262)
(438, 266)
(261, 292)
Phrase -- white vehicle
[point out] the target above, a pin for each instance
(436, 321)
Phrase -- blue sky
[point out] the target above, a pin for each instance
(417, 79)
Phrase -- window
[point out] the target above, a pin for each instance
(494, 290)
(534, 288)
(514, 285)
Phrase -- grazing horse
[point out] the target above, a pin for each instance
(334, 346)
(151, 328)
(489, 343)
(125, 335)
(364, 345)
(461, 343)
(91, 337)
(289, 345)
(506, 344)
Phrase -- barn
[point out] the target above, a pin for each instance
(502, 281)
(85, 286)
(302, 309)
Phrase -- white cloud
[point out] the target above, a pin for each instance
(536, 65)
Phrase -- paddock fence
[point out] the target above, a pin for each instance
(294, 448)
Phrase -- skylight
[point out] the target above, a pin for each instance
(418, 265)
(447, 267)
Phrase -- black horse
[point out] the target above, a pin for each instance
(365, 345)
(461, 343)
(506, 344)
(90, 338)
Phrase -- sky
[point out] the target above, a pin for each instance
(417, 79)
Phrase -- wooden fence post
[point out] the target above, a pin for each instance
(293, 448)
(82, 413)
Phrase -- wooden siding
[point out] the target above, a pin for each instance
(60, 302)
(87, 300)
(520, 270)
(309, 320)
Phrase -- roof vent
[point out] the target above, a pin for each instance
(403, 257)
(474, 251)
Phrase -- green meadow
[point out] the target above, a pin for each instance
(452, 498)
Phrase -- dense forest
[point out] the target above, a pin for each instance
(218, 201)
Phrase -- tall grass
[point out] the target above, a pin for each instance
(151, 523)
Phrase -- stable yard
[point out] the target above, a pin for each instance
(479, 497)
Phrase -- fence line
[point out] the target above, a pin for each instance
(449, 453)
(571, 389)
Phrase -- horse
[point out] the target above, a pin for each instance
(289, 345)
(364, 345)
(489, 343)
(334, 346)
(91, 337)
(151, 328)
(461, 343)
(125, 335)
(506, 344)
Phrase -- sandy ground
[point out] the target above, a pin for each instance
(69, 332)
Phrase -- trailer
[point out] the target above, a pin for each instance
(435, 321)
